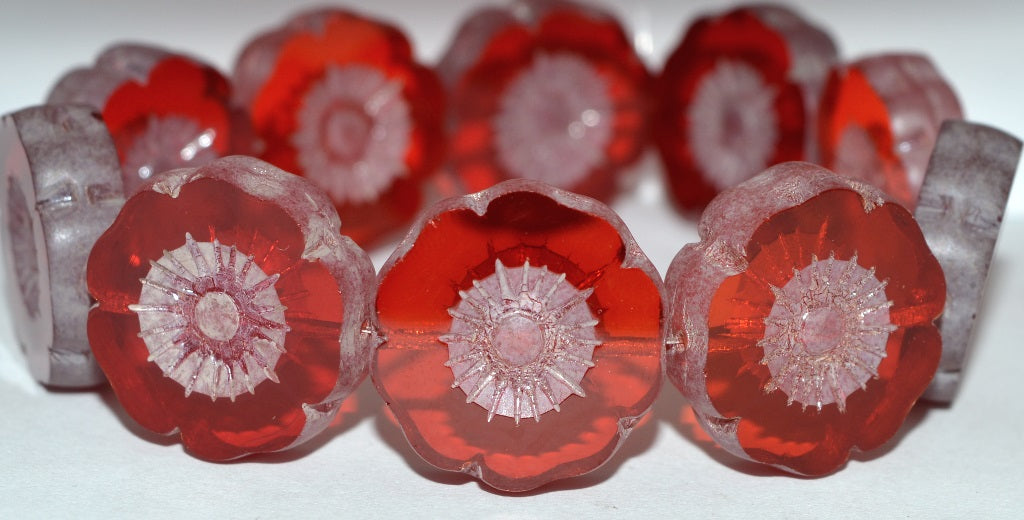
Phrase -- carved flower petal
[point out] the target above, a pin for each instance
(230, 308)
(819, 337)
(523, 335)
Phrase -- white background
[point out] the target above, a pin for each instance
(77, 454)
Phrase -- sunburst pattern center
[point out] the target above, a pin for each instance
(521, 341)
(211, 319)
(826, 333)
(732, 124)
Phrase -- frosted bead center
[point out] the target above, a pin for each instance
(518, 339)
(217, 316)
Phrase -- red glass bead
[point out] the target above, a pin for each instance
(879, 120)
(163, 110)
(802, 323)
(739, 94)
(545, 90)
(524, 335)
(339, 99)
(230, 309)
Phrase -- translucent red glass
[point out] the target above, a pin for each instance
(163, 110)
(804, 318)
(738, 94)
(545, 90)
(480, 278)
(880, 117)
(230, 309)
(339, 98)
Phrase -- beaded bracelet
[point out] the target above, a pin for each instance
(534, 321)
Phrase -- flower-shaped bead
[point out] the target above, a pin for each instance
(739, 94)
(164, 110)
(880, 117)
(802, 323)
(547, 90)
(523, 335)
(338, 98)
(230, 308)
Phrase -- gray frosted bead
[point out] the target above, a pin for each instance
(61, 188)
(960, 210)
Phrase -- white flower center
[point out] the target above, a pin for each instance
(826, 333)
(856, 156)
(555, 121)
(520, 341)
(211, 319)
(353, 133)
(346, 132)
(217, 316)
(732, 124)
(166, 143)
(822, 330)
